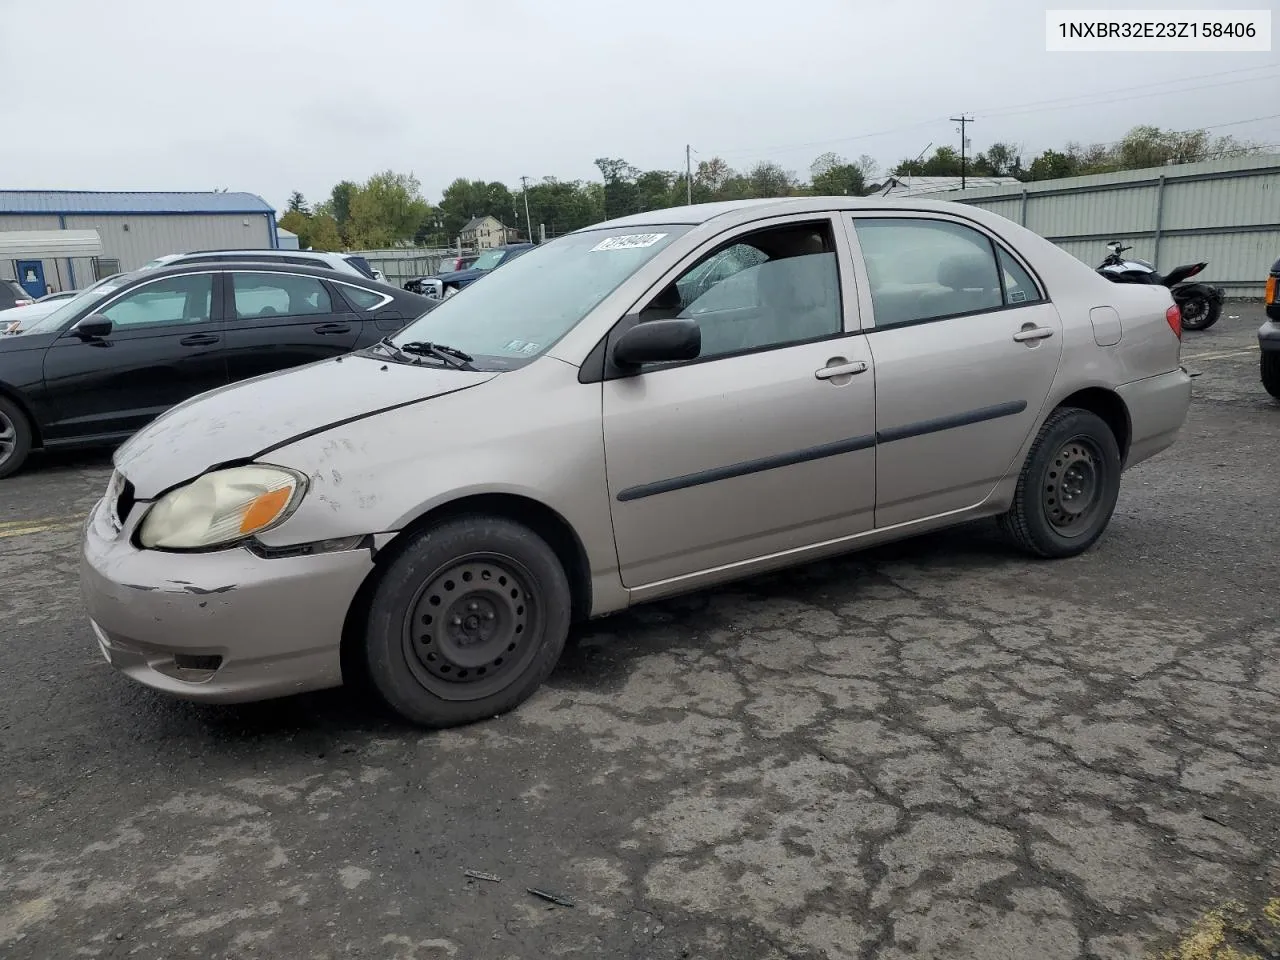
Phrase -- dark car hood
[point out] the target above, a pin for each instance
(245, 420)
(462, 276)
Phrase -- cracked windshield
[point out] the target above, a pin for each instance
(667, 482)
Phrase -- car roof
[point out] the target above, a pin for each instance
(733, 211)
(262, 251)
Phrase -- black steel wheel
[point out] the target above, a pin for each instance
(1068, 486)
(472, 627)
(467, 621)
(15, 438)
(1072, 486)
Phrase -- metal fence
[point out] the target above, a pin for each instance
(1224, 211)
(404, 263)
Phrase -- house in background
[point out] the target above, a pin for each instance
(482, 233)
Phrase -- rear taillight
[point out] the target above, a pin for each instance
(1271, 289)
(1174, 316)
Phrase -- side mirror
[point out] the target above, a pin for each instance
(658, 341)
(93, 327)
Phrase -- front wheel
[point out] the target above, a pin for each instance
(1068, 487)
(1270, 375)
(467, 621)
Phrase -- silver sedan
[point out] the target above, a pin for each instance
(642, 408)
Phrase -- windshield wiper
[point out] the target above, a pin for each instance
(450, 355)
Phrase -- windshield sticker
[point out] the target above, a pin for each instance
(522, 346)
(630, 241)
(1017, 296)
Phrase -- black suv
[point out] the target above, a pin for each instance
(112, 359)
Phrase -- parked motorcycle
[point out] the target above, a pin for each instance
(1199, 303)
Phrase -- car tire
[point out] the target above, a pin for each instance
(467, 621)
(1068, 486)
(15, 438)
(1203, 314)
(1270, 374)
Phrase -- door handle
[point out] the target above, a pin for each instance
(333, 328)
(199, 340)
(841, 369)
(1029, 332)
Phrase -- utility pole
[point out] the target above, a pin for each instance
(964, 142)
(528, 221)
(688, 174)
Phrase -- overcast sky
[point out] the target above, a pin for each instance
(269, 96)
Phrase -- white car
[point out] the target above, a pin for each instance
(344, 262)
(16, 319)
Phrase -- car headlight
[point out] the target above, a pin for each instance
(222, 507)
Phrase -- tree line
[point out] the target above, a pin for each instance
(389, 209)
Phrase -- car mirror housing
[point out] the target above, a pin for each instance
(93, 327)
(658, 341)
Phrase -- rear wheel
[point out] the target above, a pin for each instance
(1270, 374)
(467, 621)
(1199, 312)
(15, 438)
(1068, 487)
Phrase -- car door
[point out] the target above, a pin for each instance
(278, 319)
(966, 346)
(166, 344)
(764, 443)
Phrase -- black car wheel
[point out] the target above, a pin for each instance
(1199, 312)
(467, 621)
(1068, 487)
(15, 438)
(1270, 375)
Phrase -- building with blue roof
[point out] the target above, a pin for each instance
(67, 239)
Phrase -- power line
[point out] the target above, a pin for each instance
(1142, 86)
(1106, 99)
(1015, 109)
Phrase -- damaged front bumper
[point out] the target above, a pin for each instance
(222, 627)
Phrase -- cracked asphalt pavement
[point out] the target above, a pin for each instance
(938, 749)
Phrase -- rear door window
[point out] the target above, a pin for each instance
(258, 295)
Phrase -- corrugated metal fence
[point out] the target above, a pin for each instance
(406, 263)
(1224, 211)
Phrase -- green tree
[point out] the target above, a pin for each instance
(324, 233)
(565, 205)
(621, 195)
(298, 204)
(999, 160)
(464, 199)
(767, 179)
(831, 175)
(709, 179)
(297, 222)
(386, 208)
(655, 189)
(1052, 165)
(338, 205)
